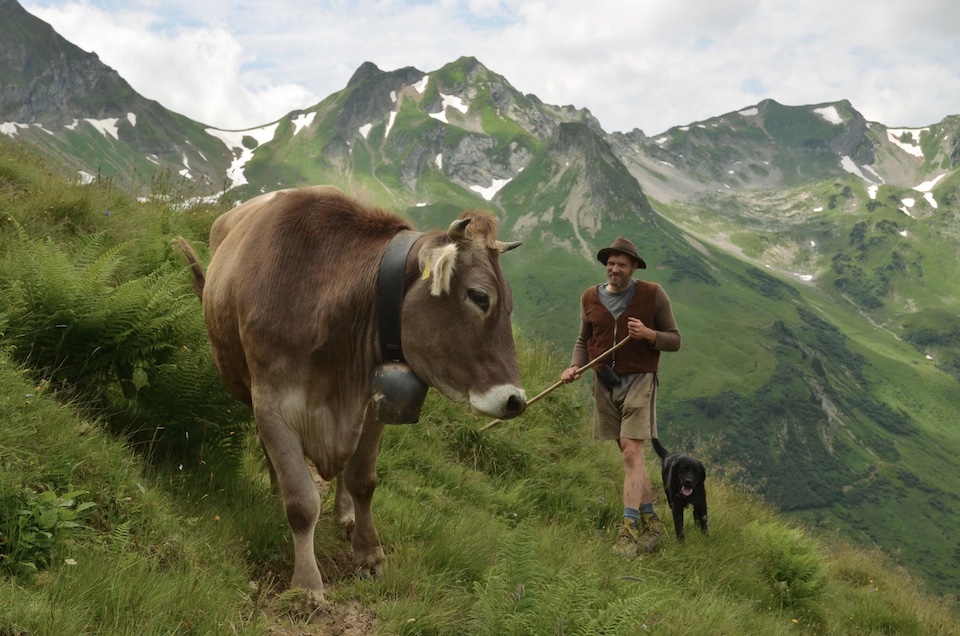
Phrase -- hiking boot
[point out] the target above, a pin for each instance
(649, 539)
(626, 545)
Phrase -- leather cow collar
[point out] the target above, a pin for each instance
(398, 392)
(390, 293)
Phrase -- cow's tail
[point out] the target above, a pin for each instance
(661, 451)
(199, 277)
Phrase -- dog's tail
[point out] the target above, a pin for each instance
(661, 451)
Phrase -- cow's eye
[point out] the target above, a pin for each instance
(479, 298)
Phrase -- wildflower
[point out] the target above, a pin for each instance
(71, 562)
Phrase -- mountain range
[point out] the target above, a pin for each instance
(811, 255)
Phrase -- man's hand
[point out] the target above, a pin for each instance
(639, 331)
(569, 375)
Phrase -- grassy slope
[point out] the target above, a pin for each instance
(506, 532)
(503, 533)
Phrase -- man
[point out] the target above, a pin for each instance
(625, 394)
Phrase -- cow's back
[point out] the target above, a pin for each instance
(292, 277)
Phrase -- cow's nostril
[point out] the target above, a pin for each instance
(515, 405)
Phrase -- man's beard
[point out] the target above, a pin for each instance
(617, 281)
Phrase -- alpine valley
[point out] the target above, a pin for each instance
(810, 255)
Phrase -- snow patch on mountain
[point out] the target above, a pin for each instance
(850, 166)
(107, 127)
(449, 101)
(830, 114)
(926, 188)
(490, 192)
(11, 128)
(233, 139)
(390, 120)
(301, 121)
(895, 135)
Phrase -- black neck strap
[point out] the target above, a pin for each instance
(390, 292)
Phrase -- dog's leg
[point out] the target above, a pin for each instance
(700, 512)
(678, 520)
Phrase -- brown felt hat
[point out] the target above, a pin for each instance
(624, 246)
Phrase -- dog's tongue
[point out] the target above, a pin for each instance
(686, 491)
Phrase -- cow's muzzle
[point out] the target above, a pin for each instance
(504, 401)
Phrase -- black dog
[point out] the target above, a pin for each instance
(683, 479)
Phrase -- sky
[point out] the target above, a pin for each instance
(647, 64)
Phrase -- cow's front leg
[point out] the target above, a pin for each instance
(360, 480)
(301, 499)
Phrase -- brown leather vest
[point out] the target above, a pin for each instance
(635, 356)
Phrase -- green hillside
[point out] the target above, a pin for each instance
(835, 398)
(133, 499)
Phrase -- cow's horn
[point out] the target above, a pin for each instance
(506, 247)
(458, 229)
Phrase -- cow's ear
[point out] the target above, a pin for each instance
(437, 264)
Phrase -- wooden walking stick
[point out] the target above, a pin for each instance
(559, 382)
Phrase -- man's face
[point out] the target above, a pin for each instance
(620, 269)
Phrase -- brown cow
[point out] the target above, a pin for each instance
(290, 302)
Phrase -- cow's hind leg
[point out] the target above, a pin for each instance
(344, 511)
(360, 479)
(301, 499)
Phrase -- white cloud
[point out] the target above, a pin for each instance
(650, 65)
(195, 71)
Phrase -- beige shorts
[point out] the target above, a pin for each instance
(629, 410)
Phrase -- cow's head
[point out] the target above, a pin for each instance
(455, 322)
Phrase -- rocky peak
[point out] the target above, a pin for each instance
(47, 80)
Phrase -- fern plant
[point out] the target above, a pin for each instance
(521, 595)
(133, 350)
(791, 564)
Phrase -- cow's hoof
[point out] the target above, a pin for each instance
(370, 564)
(299, 603)
(370, 571)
